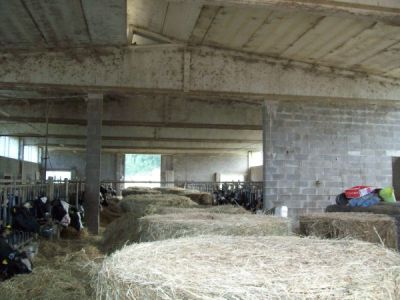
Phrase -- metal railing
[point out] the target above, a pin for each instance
(16, 194)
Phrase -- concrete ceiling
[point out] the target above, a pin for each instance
(61, 23)
(370, 44)
(355, 35)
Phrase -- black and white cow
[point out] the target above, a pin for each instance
(12, 262)
(59, 212)
(67, 215)
(23, 220)
(76, 215)
(42, 209)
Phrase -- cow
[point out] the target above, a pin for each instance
(76, 215)
(42, 209)
(23, 220)
(104, 192)
(60, 212)
(13, 262)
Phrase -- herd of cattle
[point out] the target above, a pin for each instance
(39, 217)
(243, 195)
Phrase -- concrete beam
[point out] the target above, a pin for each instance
(71, 143)
(130, 133)
(212, 72)
(137, 139)
(387, 11)
(155, 150)
(143, 111)
(119, 123)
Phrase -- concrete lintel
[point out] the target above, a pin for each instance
(213, 72)
(153, 150)
(114, 123)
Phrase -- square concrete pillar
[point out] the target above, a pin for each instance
(93, 160)
(120, 169)
(268, 112)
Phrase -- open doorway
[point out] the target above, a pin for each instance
(142, 168)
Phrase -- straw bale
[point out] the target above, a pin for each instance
(161, 227)
(248, 268)
(373, 228)
(220, 209)
(139, 191)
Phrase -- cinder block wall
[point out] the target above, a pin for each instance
(317, 149)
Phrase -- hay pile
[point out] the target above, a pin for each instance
(247, 268)
(139, 191)
(364, 226)
(220, 209)
(62, 270)
(72, 233)
(162, 227)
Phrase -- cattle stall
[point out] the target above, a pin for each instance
(14, 194)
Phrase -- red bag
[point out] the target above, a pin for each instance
(358, 191)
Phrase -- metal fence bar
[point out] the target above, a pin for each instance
(15, 194)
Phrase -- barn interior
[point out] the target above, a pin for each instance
(248, 109)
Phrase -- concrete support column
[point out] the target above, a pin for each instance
(120, 176)
(268, 110)
(93, 160)
(167, 171)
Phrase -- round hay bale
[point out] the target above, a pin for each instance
(219, 209)
(139, 191)
(368, 227)
(200, 198)
(170, 190)
(120, 232)
(124, 230)
(110, 213)
(107, 216)
(238, 267)
(162, 227)
(139, 203)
